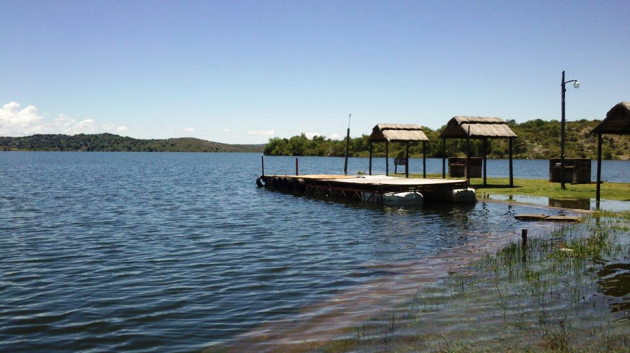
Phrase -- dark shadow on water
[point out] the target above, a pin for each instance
(494, 186)
(581, 204)
(615, 282)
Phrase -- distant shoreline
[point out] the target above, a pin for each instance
(115, 143)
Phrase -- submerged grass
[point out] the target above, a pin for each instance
(543, 188)
(566, 292)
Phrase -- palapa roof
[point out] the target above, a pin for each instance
(398, 132)
(479, 127)
(617, 121)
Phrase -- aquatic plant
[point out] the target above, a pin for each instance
(545, 296)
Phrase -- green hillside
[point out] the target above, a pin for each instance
(537, 139)
(115, 143)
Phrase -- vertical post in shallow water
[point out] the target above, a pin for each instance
(262, 159)
(524, 245)
(345, 167)
(297, 165)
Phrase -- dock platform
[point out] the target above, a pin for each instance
(370, 188)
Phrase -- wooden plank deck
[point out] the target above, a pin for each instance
(365, 188)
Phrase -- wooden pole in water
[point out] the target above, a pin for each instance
(297, 164)
(345, 167)
(262, 159)
(524, 244)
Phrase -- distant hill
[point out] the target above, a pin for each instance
(115, 143)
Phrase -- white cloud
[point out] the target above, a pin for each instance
(19, 122)
(224, 130)
(335, 137)
(310, 135)
(262, 132)
(190, 129)
(69, 126)
(15, 121)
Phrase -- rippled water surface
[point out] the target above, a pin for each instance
(181, 252)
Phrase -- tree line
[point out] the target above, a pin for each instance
(537, 139)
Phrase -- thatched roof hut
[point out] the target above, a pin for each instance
(475, 127)
(478, 127)
(398, 133)
(617, 122)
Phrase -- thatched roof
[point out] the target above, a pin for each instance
(398, 132)
(617, 121)
(479, 127)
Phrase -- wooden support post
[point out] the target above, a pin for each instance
(511, 166)
(297, 166)
(407, 164)
(468, 156)
(262, 159)
(387, 158)
(485, 160)
(599, 171)
(370, 170)
(345, 165)
(444, 158)
(424, 159)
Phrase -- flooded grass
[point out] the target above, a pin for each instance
(565, 292)
(542, 188)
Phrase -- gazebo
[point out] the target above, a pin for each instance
(473, 127)
(617, 122)
(399, 133)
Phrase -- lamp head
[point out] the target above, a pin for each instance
(576, 84)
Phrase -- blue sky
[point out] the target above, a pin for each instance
(246, 71)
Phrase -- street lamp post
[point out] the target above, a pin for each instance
(576, 84)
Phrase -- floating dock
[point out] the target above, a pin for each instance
(372, 188)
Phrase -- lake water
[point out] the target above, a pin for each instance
(180, 252)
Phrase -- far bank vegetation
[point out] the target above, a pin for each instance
(537, 139)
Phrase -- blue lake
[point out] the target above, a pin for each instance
(180, 252)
